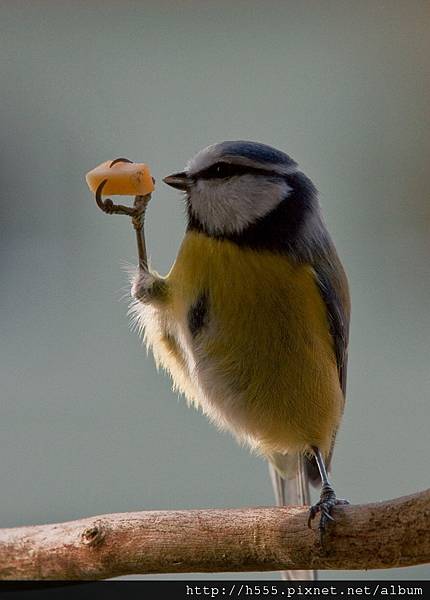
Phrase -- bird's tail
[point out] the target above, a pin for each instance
(292, 487)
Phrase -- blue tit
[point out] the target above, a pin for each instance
(252, 320)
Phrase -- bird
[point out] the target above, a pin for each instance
(252, 320)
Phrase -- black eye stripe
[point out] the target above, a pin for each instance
(222, 170)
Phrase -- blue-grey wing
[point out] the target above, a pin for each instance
(333, 286)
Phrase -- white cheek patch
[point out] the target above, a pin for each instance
(229, 206)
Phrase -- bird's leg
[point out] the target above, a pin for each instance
(138, 220)
(136, 212)
(146, 285)
(327, 499)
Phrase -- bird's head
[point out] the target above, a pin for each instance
(240, 189)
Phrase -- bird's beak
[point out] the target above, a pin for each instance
(179, 181)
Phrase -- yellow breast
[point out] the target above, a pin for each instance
(264, 365)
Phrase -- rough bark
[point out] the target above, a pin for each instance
(389, 534)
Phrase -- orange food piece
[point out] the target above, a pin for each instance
(123, 179)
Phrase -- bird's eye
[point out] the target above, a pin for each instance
(219, 170)
(223, 170)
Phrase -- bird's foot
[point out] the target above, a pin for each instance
(109, 207)
(136, 212)
(324, 506)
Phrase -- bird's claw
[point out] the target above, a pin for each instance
(136, 212)
(324, 506)
(118, 160)
(109, 207)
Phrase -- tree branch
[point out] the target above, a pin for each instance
(389, 534)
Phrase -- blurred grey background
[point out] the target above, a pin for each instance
(87, 424)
